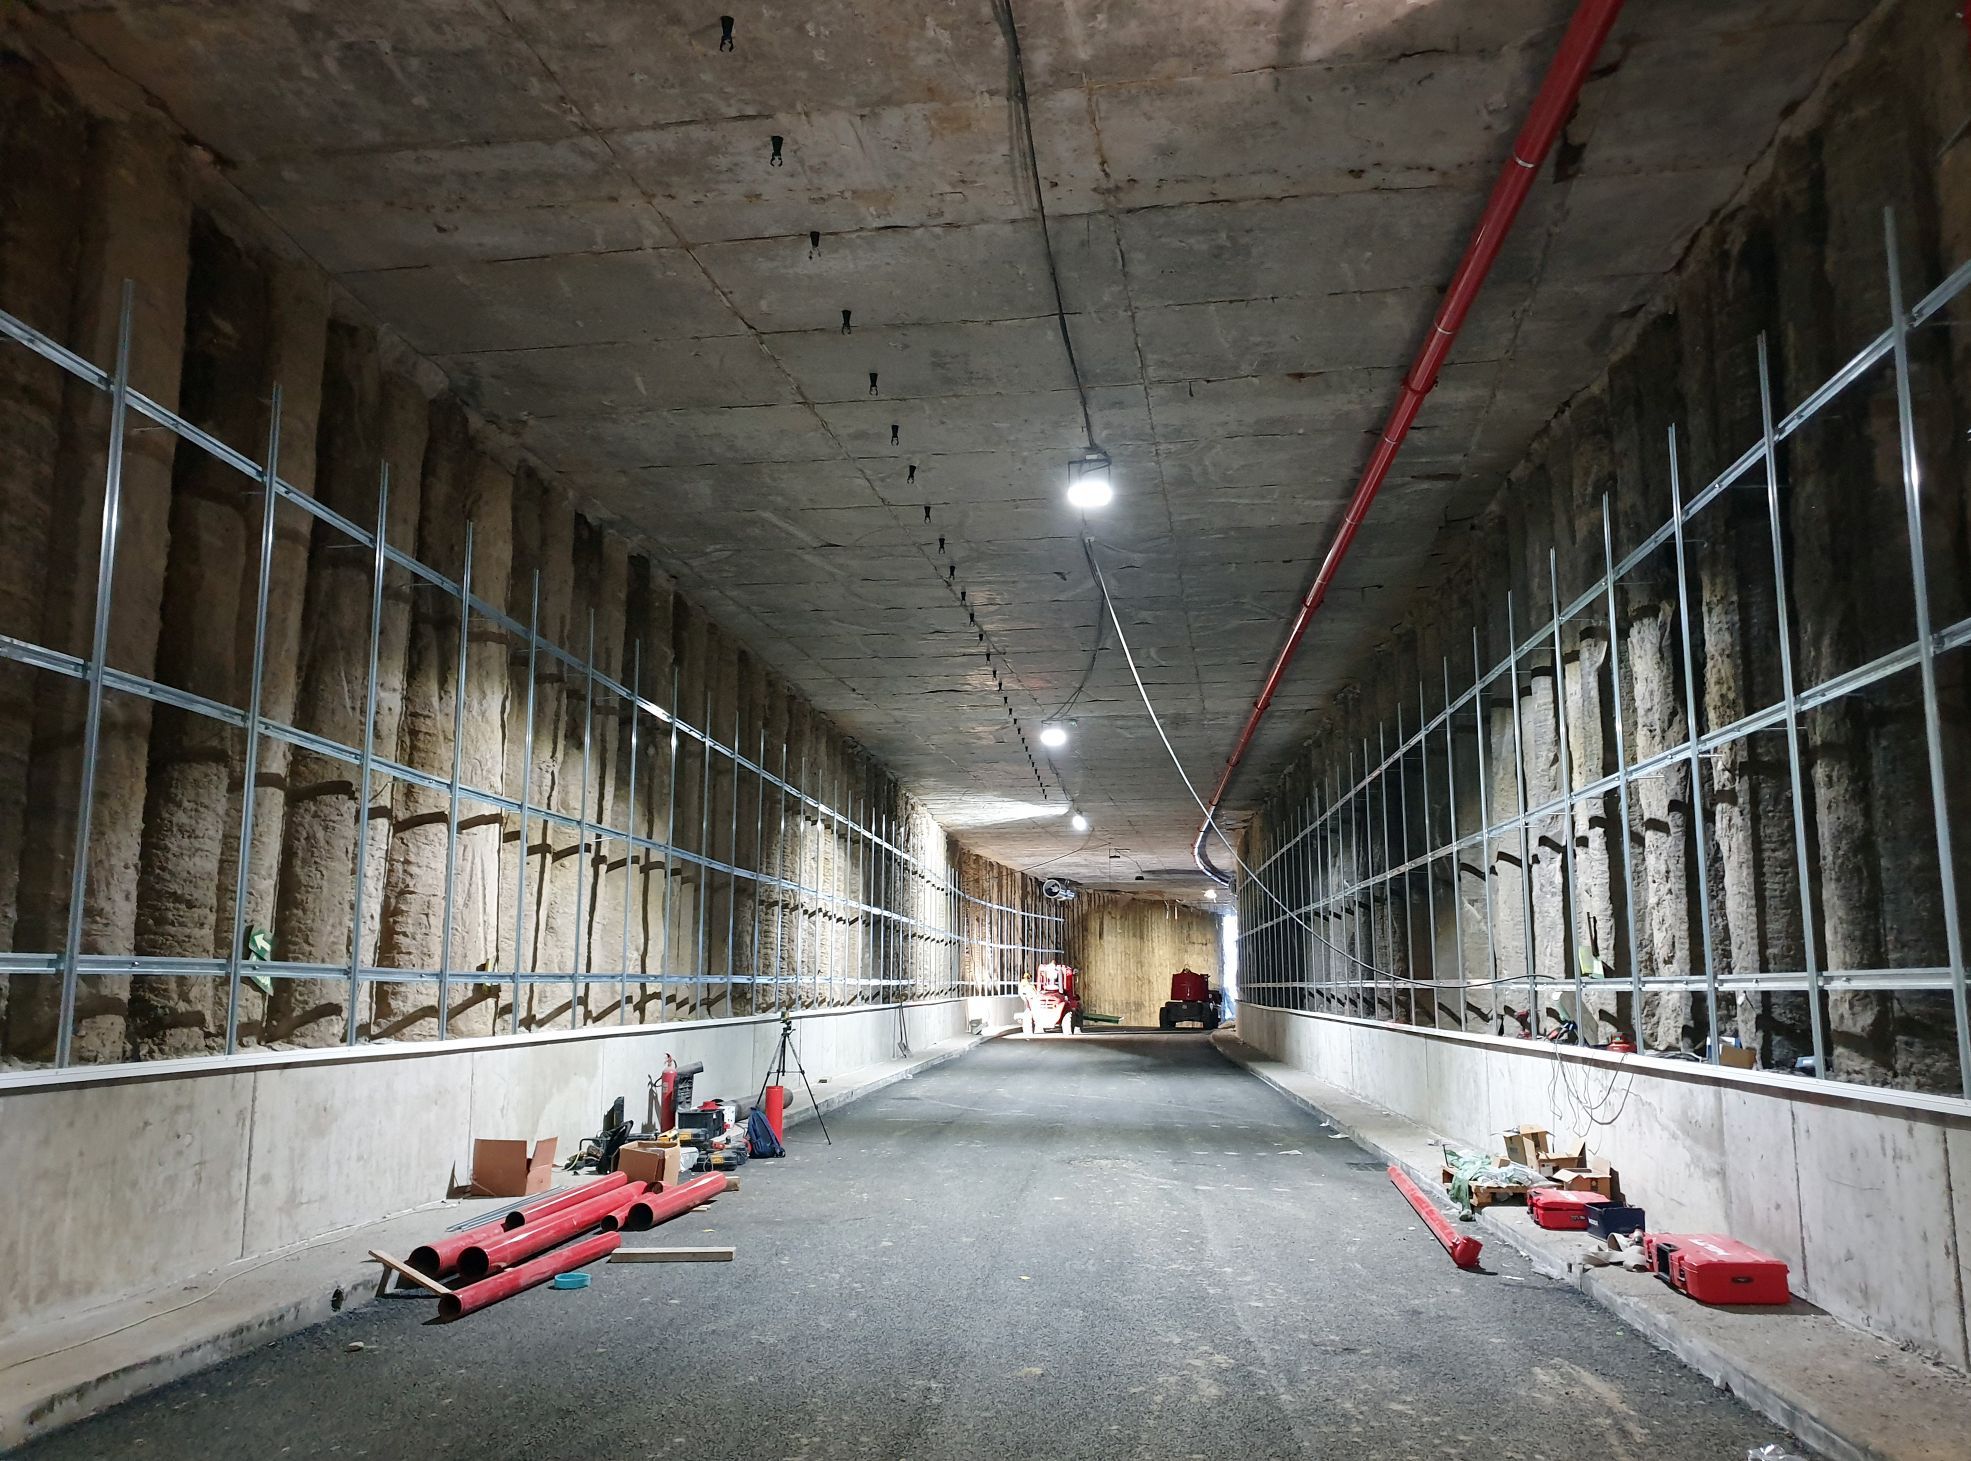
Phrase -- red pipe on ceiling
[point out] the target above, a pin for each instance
(1551, 108)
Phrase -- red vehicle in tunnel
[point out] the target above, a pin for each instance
(1192, 1001)
(1050, 1001)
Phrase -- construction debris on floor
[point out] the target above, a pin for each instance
(1564, 1191)
(640, 1180)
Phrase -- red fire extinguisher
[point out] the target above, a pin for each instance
(677, 1089)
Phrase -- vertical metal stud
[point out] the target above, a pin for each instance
(582, 836)
(1696, 758)
(1482, 727)
(1570, 882)
(452, 795)
(1927, 666)
(250, 769)
(520, 957)
(1457, 874)
(1533, 1011)
(632, 853)
(1622, 776)
(112, 526)
(352, 1023)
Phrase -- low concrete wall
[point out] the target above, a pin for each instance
(1852, 1187)
(120, 1183)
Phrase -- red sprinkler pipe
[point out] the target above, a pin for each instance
(507, 1249)
(1463, 1249)
(461, 1302)
(652, 1208)
(1551, 109)
(436, 1260)
(562, 1201)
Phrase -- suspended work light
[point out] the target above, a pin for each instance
(1080, 823)
(1053, 736)
(1089, 482)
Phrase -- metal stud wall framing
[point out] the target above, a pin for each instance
(1329, 908)
(916, 932)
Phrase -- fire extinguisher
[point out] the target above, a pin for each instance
(677, 1086)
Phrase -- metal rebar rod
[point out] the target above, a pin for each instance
(250, 767)
(351, 1022)
(92, 723)
(1919, 570)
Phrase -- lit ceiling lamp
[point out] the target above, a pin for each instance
(1089, 482)
(1080, 823)
(1053, 736)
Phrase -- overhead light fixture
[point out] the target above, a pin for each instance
(1211, 895)
(1053, 736)
(1090, 484)
(1080, 823)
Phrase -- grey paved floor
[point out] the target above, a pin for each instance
(1119, 1246)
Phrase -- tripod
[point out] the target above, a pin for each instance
(776, 1073)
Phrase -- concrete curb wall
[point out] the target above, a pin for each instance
(213, 1164)
(1853, 1188)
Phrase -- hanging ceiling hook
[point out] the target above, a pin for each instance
(777, 141)
(725, 32)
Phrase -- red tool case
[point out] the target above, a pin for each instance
(1716, 1270)
(1554, 1207)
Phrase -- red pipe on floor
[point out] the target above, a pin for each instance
(486, 1291)
(435, 1260)
(652, 1208)
(562, 1201)
(507, 1249)
(1551, 109)
(1463, 1249)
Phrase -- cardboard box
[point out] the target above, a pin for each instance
(647, 1161)
(1575, 1179)
(1738, 1057)
(1527, 1144)
(503, 1168)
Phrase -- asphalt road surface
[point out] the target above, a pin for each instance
(1116, 1246)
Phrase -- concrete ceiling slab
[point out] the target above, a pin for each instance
(571, 205)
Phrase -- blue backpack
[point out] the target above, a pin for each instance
(760, 1140)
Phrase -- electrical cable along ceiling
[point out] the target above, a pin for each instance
(830, 305)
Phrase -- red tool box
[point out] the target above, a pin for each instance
(1716, 1270)
(1555, 1207)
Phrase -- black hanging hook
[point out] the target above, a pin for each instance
(847, 314)
(777, 141)
(872, 382)
(927, 512)
(913, 473)
(725, 32)
(941, 543)
(953, 573)
(814, 243)
(894, 428)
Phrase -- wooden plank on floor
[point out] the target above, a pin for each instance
(404, 1270)
(671, 1255)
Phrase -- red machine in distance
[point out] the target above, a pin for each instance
(1050, 1000)
(1192, 1000)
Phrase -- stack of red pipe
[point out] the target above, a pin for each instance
(526, 1247)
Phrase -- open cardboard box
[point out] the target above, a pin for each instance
(649, 1161)
(505, 1168)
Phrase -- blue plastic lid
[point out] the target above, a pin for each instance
(571, 1281)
